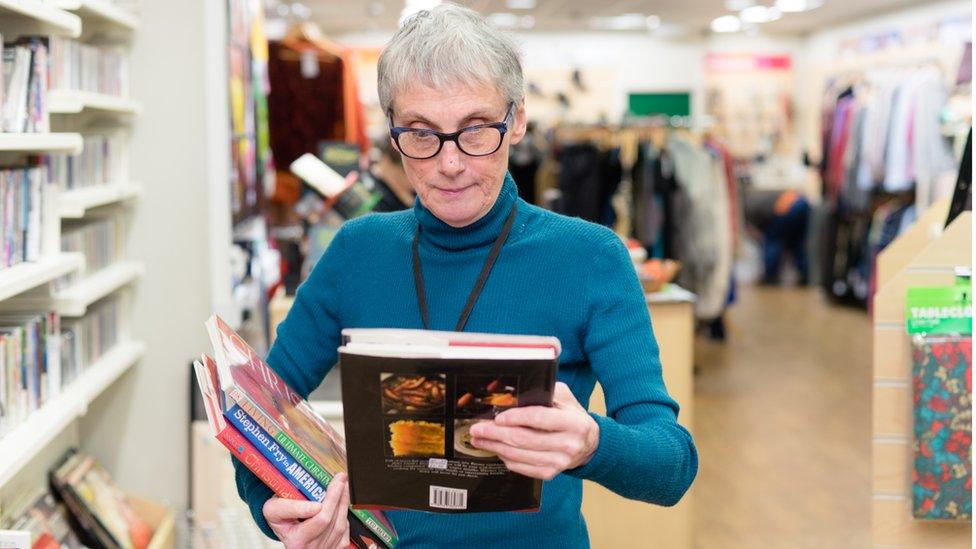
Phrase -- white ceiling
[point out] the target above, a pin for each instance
(337, 16)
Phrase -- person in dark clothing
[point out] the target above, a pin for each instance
(391, 181)
(782, 218)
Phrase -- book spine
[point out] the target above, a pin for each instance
(303, 460)
(243, 450)
(284, 462)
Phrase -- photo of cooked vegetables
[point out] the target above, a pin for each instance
(409, 438)
(412, 393)
(485, 395)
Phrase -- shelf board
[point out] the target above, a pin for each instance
(26, 276)
(75, 203)
(69, 143)
(36, 17)
(18, 447)
(74, 301)
(73, 102)
(100, 10)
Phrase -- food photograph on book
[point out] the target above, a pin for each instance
(410, 399)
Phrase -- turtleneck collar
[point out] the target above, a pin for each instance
(482, 232)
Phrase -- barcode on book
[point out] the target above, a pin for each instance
(448, 498)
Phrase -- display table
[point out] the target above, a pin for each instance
(617, 522)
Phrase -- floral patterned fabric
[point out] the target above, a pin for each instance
(942, 473)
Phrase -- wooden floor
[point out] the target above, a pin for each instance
(783, 425)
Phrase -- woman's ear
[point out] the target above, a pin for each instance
(519, 122)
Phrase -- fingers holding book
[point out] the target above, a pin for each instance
(538, 441)
(312, 524)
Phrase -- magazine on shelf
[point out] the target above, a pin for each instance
(283, 427)
(409, 400)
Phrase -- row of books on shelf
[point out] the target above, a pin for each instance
(24, 86)
(42, 354)
(97, 239)
(96, 164)
(21, 203)
(86, 67)
(83, 508)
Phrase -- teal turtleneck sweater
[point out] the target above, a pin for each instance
(556, 276)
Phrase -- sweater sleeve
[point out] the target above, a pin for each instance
(304, 351)
(643, 453)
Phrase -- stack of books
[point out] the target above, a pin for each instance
(96, 238)
(22, 219)
(95, 165)
(84, 67)
(84, 340)
(274, 432)
(100, 512)
(43, 519)
(23, 87)
(30, 365)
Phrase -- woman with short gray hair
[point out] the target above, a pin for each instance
(472, 256)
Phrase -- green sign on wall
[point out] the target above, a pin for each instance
(668, 104)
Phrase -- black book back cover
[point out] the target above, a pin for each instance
(407, 423)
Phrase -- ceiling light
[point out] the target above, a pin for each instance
(520, 4)
(653, 22)
(726, 23)
(504, 20)
(527, 22)
(796, 6)
(739, 5)
(759, 14)
(627, 21)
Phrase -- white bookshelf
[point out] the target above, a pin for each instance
(75, 300)
(101, 11)
(74, 204)
(73, 102)
(19, 447)
(27, 276)
(22, 17)
(27, 451)
(41, 143)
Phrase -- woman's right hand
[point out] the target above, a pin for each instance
(312, 524)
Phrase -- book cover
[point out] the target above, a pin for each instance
(249, 383)
(233, 440)
(409, 408)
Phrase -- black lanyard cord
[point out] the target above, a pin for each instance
(418, 275)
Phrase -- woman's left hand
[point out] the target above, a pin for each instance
(538, 441)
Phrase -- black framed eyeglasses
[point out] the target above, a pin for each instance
(480, 140)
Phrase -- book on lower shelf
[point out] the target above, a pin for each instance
(43, 519)
(30, 365)
(101, 514)
(282, 426)
(97, 238)
(410, 398)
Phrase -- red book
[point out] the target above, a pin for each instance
(233, 440)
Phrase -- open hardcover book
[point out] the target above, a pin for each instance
(252, 408)
(409, 400)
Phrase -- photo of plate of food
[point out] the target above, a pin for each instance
(462, 441)
(481, 395)
(412, 393)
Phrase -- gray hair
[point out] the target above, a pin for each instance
(446, 45)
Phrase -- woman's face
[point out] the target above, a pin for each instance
(457, 188)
